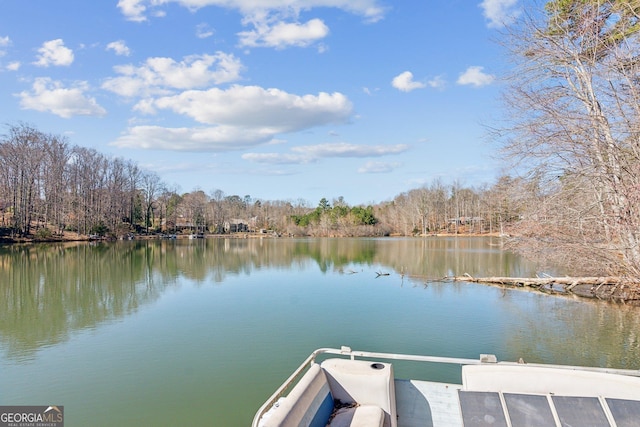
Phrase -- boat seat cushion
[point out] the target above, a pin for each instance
(359, 416)
(309, 403)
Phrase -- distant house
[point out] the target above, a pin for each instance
(466, 220)
(179, 223)
(236, 226)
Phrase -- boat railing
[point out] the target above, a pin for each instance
(295, 376)
(344, 351)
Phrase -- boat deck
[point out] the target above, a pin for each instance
(492, 393)
(426, 404)
(421, 402)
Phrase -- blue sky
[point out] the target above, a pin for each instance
(276, 99)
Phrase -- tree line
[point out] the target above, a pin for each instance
(48, 187)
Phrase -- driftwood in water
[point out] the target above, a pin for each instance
(610, 288)
(542, 281)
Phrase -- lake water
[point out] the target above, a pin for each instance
(200, 332)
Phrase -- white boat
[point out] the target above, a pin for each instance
(341, 387)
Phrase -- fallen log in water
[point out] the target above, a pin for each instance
(541, 281)
(608, 287)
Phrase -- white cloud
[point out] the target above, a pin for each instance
(51, 96)
(322, 48)
(313, 153)
(474, 76)
(271, 109)
(371, 10)
(157, 76)
(274, 22)
(236, 118)
(404, 82)
(369, 91)
(119, 47)
(174, 166)
(211, 139)
(342, 149)
(133, 10)
(204, 31)
(282, 35)
(438, 82)
(54, 52)
(4, 42)
(499, 12)
(379, 167)
(12, 66)
(278, 158)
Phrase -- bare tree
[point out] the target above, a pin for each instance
(117, 197)
(217, 211)
(56, 182)
(419, 199)
(88, 177)
(21, 155)
(193, 208)
(151, 187)
(576, 116)
(133, 175)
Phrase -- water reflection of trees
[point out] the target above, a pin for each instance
(429, 258)
(577, 332)
(435, 258)
(50, 290)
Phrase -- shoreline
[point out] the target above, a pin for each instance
(73, 237)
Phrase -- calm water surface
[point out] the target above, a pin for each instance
(161, 333)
